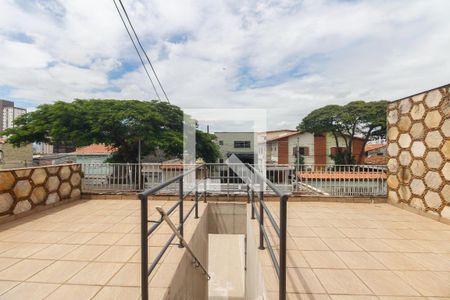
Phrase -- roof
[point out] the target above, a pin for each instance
(341, 175)
(99, 149)
(284, 136)
(370, 147)
(376, 160)
(281, 130)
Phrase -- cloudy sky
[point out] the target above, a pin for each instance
(288, 57)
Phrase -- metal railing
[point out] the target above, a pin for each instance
(258, 182)
(343, 180)
(146, 232)
(333, 180)
(253, 180)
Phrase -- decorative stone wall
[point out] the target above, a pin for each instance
(419, 152)
(24, 189)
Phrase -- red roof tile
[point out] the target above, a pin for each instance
(370, 147)
(95, 149)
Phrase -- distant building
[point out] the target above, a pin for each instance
(8, 113)
(375, 150)
(240, 144)
(15, 157)
(314, 148)
(375, 154)
(92, 154)
(95, 153)
(42, 148)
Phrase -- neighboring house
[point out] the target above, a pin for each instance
(15, 157)
(239, 143)
(375, 150)
(272, 134)
(375, 154)
(92, 154)
(315, 149)
(95, 153)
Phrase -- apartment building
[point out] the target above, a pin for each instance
(8, 113)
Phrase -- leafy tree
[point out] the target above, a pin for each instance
(324, 119)
(118, 123)
(355, 119)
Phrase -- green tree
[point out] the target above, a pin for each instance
(118, 123)
(366, 120)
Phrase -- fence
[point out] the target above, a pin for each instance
(333, 180)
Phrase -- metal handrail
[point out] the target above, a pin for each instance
(281, 230)
(182, 240)
(145, 232)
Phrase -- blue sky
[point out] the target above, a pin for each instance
(288, 57)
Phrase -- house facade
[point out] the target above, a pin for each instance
(241, 144)
(315, 149)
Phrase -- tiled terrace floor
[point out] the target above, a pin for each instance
(90, 250)
(362, 251)
(86, 250)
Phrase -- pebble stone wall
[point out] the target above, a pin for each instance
(24, 189)
(419, 151)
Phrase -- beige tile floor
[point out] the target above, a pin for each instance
(362, 251)
(85, 250)
(90, 250)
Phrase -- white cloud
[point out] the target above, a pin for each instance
(287, 56)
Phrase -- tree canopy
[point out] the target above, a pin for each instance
(355, 119)
(118, 123)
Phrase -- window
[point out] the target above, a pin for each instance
(304, 151)
(221, 143)
(241, 144)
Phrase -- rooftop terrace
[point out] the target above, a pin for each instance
(90, 250)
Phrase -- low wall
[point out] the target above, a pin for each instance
(227, 218)
(242, 198)
(27, 189)
(188, 281)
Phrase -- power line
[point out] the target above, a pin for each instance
(143, 50)
(137, 51)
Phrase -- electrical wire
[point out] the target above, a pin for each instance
(137, 51)
(143, 50)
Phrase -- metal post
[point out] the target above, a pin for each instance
(139, 173)
(248, 193)
(261, 220)
(283, 229)
(196, 203)
(144, 247)
(204, 185)
(181, 217)
(252, 199)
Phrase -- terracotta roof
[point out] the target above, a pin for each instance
(283, 136)
(95, 149)
(341, 175)
(280, 130)
(369, 147)
(376, 160)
